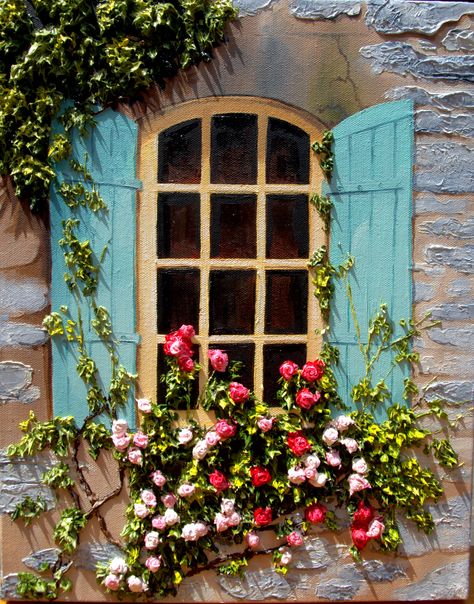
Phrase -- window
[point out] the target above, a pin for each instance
(225, 232)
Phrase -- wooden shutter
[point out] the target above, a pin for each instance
(111, 160)
(371, 188)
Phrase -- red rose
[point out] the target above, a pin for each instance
(238, 392)
(315, 513)
(306, 399)
(313, 370)
(263, 516)
(219, 360)
(298, 443)
(225, 429)
(288, 369)
(363, 516)
(359, 538)
(259, 476)
(186, 364)
(219, 481)
(186, 332)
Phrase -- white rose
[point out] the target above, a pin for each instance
(171, 517)
(330, 435)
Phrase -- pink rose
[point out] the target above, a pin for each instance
(253, 540)
(288, 369)
(169, 500)
(112, 582)
(171, 517)
(119, 427)
(221, 522)
(225, 429)
(357, 483)
(219, 360)
(186, 490)
(359, 465)
(201, 528)
(351, 445)
(333, 458)
(141, 510)
(286, 556)
(185, 435)
(342, 422)
(200, 449)
(136, 585)
(152, 540)
(158, 478)
(212, 438)
(234, 519)
(310, 473)
(158, 522)
(186, 364)
(186, 331)
(265, 423)
(179, 348)
(305, 399)
(294, 539)
(376, 528)
(319, 481)
(140, 439)
(148, 497)
(219, 481)
(144, 405)
(153, 563)
(135, 456)
(311, 461)
(190, 532)
(118, 566)
(121, 442)
(296, 475)
(227, 506)
(238, 392)
(313, 370)
(330, 435)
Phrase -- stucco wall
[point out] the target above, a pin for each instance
(332, 59)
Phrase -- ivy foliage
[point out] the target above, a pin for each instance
(93, 53)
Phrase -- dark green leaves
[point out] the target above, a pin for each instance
(29, 509)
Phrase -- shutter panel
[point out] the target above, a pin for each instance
(111, 160)
(371, 188)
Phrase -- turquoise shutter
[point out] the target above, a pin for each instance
(371, 188)
(111, 160)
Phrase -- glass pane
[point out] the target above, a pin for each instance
(234, 149)
(162, 367)
(286, 304)
(232, 302)
(287, 226)
(287, 153)
(233, 226)
(178, 299)
(178, 225)
(273, 356)
(238, 352)
(179, 153)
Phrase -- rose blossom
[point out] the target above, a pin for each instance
(305, 399)
(359, 538)
(158, 522)
(169, 500)
(342, 422)
(351, 445)
(296, 475)
(201, 528)
(330, 435)
(119, 427)
(310, 473)
(136, 585)
(186, 364)
(118, 566)
(357, 483)
(286, 556)
(263, 516)
(171, 517)
(294, 539)
(140, 439)
(359, 465)
(135, 456)
(225, 429)
(234, 519)
(319, 481)
(238, 392)
(186, 331)
(178, 348)
(227, 506)
(265, 423)
(212, 438)
(200, 449)
(185, 435)
(313, 370)
(144, 405)
(376, 528)
(141, 510)
(311, 461)
(253, 540)
(186, 490)
(219, 360)
(152, 540)
(121, 442)
(148, 497)
(221, 522)
(298, 443)
(158, 478)
(153, 563)
(219, 481)
(193, 531)
(315, 513)
(363, 515)
(260, 476)
(333, 458)
(112, 582)
(288, 369)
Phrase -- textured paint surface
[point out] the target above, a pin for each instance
(445, 583)
(444, 167)
(460, 258)
(422, 291)
(455, 392)
(317, 553)
(90, 554)
(402, 58)
(460, 288)
(434, 123)
(441, 100)
(453, 365)
(36, 559)
(257, 585)
(20, 334)
(426, 204)
(381, 572)
(8, 587)
(395, 17)
(344, 586)
(324, 9)
(459, 39)
(22, 296)
(459, 337)
(15, 383)
(251, 7)
(449, 227)
(453, 312)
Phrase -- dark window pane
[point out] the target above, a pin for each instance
(287, 153)
(178, 225)
(178, 299)
(273, 356)
(232, 302)
(239, 352)
(233, 226)
(286, 304)
(162, 367)
(179, 153)
(287, 226)
(234, 149)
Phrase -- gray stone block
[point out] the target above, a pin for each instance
(431, 122)
(15, 383)
(460, 337)
(344, 586)
(89, 555)
(459, 39)
(444, 167)
(248, 8)
(8, 587)
(460, 258)
(36, 559)
(454, 392)
(27, 295)
(460, 288)
(21, 334)
(445, 101)
(427, 204)
(257, 585)
(449, 227)
(449, 582)
(422, 292)
(317, 553)
(453, 312)
(324, 9)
